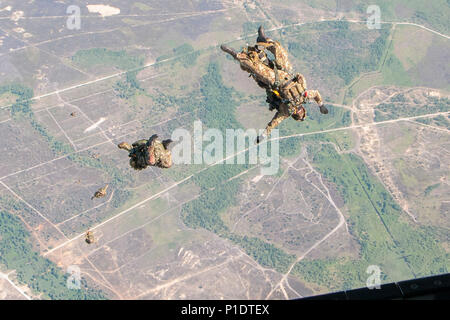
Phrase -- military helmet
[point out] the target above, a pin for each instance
(299, 114)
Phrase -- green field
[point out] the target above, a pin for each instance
(401, 250)
(431, 13)
(41, 275)
(102, 56)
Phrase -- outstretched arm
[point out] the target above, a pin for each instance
(314, 94)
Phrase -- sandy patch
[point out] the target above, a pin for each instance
(16, 15)
(257, 178)
(95, 125)
(434, 94)
(8, 8)
(103, 10)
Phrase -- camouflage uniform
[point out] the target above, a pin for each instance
(89, 238)
(100, 193)
(159, 155)
(143, 155)
(252, 62)
(290, 88)
(284, 112)
(285, 93)
(280, 54)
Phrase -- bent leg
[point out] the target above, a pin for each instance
(280, 54)
(262, 73)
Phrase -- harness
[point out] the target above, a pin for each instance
(279, 86)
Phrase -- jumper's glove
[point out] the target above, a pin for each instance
(323, 109)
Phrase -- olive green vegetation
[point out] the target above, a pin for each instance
(128, 87)
(250, 28)
(117, 179)
(430, 13)
(431, 188)
(388, 111)
(125, 88)
(216, 110)
(102, 56)
(328, 54)
(439, 121)
(214, 103)
(22, 105)
(41, 275)
(394, 73)
(204, 212)
(401, 250)
(337, 117)
(219, 104)
(21, 111)
(185, 54)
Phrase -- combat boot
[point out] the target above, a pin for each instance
(323, 109)
(229, 51)
(260, 138)
(261, 36)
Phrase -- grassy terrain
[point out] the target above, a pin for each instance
(315, 121)
(41, 275)
(439, 121)
(341, 49)
(412, 57)
(335, 54)
(401, 250)
(431, 13)
(101, 56)
(388, 111)
(129, 87)
(117, 179)
(217, 111)
(21, 111)
(186, 53)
